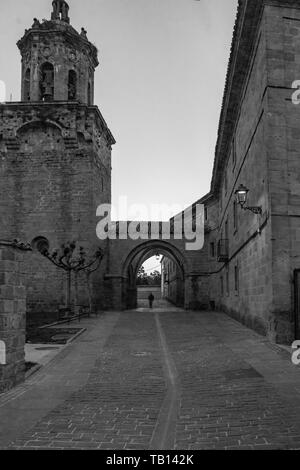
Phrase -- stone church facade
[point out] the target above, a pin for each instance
(55, 170)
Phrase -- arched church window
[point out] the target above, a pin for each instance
(72, 85)
(89, 94)
(47, 82)
(60, 11)
(27, 85)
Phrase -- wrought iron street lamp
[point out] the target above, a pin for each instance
(241, 198)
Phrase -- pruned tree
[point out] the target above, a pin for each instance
(73, 261)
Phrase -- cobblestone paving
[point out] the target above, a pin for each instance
(119, 406)
(224, 403)
(219, 401)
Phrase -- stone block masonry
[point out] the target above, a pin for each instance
(55, 156)
(258, 146)
(52, 189)
(12, 318)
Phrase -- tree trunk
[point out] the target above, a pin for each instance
(68, 290)
(89, 292)
(76, 292)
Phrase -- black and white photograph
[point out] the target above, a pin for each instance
(149, 228)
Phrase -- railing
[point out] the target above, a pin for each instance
(223, 250)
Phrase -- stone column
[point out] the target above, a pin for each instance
(12, 319)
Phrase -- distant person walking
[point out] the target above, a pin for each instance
(151, 300)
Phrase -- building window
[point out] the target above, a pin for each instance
(72, 85)
(47, 82)
(206, 214)
(27, 85)
(227, 282)
(222, 286)
(212, 250)
(235, 216)
(236, 279)
(89, 94)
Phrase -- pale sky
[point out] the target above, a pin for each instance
(152, 264)
(159, 85)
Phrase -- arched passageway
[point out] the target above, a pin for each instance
(173, 272)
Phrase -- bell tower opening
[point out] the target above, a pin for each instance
(60, 11)
(72, 85)
(27, 85)
(89, 94)
(47, 82)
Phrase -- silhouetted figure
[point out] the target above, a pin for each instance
(151, 300)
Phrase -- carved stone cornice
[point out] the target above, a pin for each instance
(54, 28)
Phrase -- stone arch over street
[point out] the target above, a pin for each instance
(125, 256)
(135, 259)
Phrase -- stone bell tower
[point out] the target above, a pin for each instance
(55, 152)
(58, 64)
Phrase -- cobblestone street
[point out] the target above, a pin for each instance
(158, 380)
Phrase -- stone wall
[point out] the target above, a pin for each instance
(143, 292)
(262, 147)
(172, 282)
(55, 170)
(283, 43)
(242, 285)
(12, 317)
